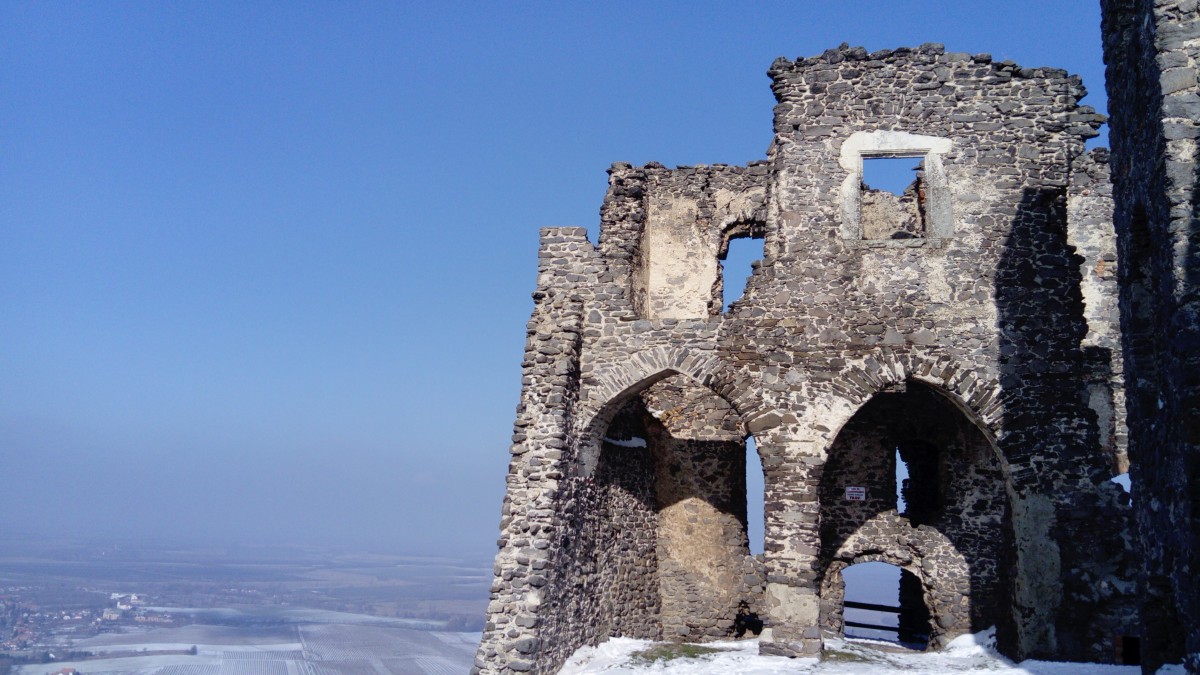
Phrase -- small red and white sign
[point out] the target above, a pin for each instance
(856, 493)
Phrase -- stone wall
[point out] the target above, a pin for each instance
(1152, 49)
(997, 308)
(690, 215)
(1090, 234)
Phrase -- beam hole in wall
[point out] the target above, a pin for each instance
(1129, 650)
(893, 197)
(739, 255)
(885, 602)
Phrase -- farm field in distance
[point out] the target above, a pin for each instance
(124, 608)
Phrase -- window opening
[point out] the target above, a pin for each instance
(755, 498)
(884, 602)
(892, 174)
(738, 260)
(895, 188)
(920, 489)
(893, 197)
(901, 479)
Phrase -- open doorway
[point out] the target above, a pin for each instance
(885, 602)
(669, 524)
(911, 480)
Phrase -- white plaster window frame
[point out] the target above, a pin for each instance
(939, 217)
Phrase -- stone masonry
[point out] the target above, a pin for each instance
(1152, 50)
(967, 326)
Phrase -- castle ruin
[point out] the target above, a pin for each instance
(967, 327)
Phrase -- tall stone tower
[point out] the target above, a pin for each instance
(965, 327)
(1152, 50)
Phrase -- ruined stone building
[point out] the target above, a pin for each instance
(1152, 50)
(966, 327)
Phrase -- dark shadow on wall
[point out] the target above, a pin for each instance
(608, 537)
(1142, 216)
(1051, 435)
(1188, 344)
(1041, 325)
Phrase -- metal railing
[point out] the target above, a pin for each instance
(874, 608)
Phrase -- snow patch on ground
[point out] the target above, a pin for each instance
(966, 654)
(201, 648)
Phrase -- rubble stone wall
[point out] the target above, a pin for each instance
(1152, 52)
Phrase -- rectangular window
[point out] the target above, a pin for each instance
(893, 198)
(895, 192)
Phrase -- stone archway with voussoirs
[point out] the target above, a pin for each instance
(945, 587)
(667, 450)
(616, 383)
(977, 398)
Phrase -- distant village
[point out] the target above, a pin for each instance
(27, 626)
(33, 631)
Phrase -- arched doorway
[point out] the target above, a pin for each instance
(954, 533)
(882, 601)
(671, 523)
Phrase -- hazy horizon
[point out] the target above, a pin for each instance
(265, 269)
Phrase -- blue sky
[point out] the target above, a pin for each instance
(265, 267)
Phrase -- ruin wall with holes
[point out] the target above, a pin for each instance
(1152, 50)
(968, 324)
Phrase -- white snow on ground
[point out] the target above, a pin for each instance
(966, 654)
(138, 665)
(201, 648)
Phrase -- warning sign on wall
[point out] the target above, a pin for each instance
(856, 493)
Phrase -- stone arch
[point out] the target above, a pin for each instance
(977, 397)
(888, 403)
(616, 383)
(664, 459)
(944, 588)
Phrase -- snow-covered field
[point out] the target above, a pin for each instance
(323, 648)
(297, 615)
(967, 654)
